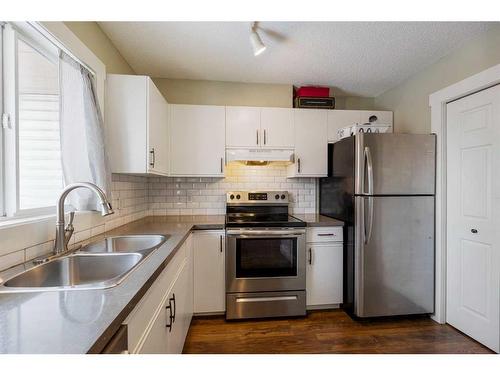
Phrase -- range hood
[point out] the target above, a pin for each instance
(259, 156)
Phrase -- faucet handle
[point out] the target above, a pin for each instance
(71, 218)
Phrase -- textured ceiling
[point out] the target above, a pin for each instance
(356, 58)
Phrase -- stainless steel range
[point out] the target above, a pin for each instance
(265, 256)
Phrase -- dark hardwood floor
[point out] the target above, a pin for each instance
(330, 331)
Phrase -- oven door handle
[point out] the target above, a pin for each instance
(265, 233)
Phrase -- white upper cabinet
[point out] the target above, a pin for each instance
(277, 127)
(136, 125)
(197, 140)
(158, 131)
(251, 127)
(243, 127)
(311, 144)
(338, 119)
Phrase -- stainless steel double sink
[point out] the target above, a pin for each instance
(98, 265)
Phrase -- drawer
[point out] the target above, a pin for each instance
(143, 313)
(265, 304)
(324, 234)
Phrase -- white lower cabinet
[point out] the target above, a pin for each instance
(160, 322)
(209, 272)
(324, 271)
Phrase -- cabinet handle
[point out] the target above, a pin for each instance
(257, 131)
(221, 165)
(310, 256)
(152, 157)
(170, 316)
(220, 238)
(298, 165)
(175, 303)
(264, 136)
(325, 234)
(474, 231)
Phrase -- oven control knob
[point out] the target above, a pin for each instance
(277, 196)
(238, 196)
(231, 196)
(283, 196)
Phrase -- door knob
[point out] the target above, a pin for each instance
(474, 231)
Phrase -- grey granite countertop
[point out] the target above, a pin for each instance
(317, 220)
(83, 321)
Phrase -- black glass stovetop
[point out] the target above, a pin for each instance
(248, 219)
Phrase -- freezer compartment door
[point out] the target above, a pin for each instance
(395, 164)
(394, 256)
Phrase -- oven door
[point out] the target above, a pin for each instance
(265, 260)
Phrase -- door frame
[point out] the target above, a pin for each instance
(438, 101)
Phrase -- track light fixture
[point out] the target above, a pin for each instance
(255, 41)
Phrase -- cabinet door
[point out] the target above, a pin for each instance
(209, 272)
(158, 142)
(158, 336)
(311, 145)
(338, 119)
(181, 301)
(197, 140)
(383, 117)
(243, 127)
(277, 128)
(324, 274)
(126, 123)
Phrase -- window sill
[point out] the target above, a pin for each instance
(8, 222)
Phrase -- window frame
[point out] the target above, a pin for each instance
(13, 34)
(53, 35)
(2, 177)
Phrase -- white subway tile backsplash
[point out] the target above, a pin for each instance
(207, 195)
(12, 259)
(39, 250)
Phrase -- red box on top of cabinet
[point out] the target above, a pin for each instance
(313, 91)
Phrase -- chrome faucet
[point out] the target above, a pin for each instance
(63, 235)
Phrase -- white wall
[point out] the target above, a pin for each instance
(410, 100)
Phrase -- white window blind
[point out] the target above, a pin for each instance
(40, 171)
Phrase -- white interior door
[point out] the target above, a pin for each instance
(473, 193)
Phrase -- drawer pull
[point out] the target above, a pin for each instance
(325, 234)
(169, 325)
(173, 300)
(266, 299)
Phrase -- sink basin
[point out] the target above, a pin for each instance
(126, 244)
(79, 271)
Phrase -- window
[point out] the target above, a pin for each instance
(40, 171)
(32, 169)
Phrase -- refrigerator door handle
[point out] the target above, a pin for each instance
(369, 221)
(369, 168)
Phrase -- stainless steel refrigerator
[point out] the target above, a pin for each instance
(382, 186)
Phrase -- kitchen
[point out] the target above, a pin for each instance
(248, 211)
